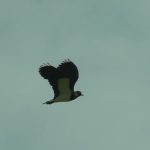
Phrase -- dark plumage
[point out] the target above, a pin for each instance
(62, 79)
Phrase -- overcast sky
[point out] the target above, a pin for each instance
(109, 41)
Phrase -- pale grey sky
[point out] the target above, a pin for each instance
(109, 41)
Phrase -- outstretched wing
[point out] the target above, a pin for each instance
(52, 74)
(71, 70)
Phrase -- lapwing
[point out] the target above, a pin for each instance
(62, 79)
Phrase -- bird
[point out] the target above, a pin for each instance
(62, 79)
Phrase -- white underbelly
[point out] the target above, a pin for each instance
(63, 97)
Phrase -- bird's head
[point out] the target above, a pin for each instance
(78, 93)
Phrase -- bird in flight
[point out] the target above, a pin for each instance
(62, 79)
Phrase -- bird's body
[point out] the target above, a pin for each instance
(62, 79)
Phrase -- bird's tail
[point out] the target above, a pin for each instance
(49, 102)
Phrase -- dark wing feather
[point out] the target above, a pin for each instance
(52, 74)
(70, 69)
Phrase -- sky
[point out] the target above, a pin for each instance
(109, 41)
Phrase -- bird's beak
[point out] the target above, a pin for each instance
(82, 94)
